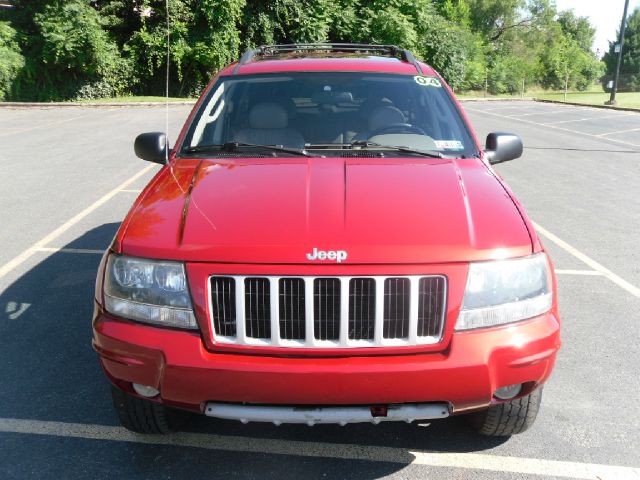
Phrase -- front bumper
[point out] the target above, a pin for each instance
(464, 375)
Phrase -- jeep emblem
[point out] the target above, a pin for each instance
(337, 255)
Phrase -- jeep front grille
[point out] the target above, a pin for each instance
(328, 312)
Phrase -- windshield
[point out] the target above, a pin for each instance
(330, 110)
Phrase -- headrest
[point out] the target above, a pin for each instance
(267, 115)
(383, 116)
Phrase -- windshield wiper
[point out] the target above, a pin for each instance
(234, 146)
(367, 144)
(426, 153)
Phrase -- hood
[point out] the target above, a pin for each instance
(377, 210)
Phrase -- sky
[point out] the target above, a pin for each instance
(605, 15)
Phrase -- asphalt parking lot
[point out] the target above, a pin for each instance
(68, 178)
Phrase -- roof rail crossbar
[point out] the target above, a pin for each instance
(390, 50)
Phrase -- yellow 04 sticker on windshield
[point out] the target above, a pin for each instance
(427, 81)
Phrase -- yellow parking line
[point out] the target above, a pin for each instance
(621, 282)
(619, 131)
(577, 272)
(40, 125)
(43, 242)
(70, 250)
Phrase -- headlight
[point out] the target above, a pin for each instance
(148, 291)
(505, 291)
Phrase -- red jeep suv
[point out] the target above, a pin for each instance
(327, 242)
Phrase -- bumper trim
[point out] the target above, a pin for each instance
(333, 415)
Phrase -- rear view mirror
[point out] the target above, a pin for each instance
(152, 147)
(502, 147)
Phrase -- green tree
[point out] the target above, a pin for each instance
(27, 36)
(495, 17)
(453, 51)
(204, 38)
(450, 47)
(456, 11)
(213, 38)
(389, 26)
(514, 70)
(77, 48)
(292, 21)
(53, 49)
(630, 66)
(567, 61)
(11, 60)
(580, 30)
(577, 28)
(121, 18)
(68, 52)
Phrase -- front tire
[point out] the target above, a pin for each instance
(140, 415)
(508, 418)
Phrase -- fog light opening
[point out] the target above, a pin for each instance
(145, 390)
(508, 392)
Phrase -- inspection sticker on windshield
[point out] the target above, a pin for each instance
(427, 81)
(448, 144)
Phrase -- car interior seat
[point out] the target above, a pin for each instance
(268, 125)
(380, 117)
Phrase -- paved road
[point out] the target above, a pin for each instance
(68, 177)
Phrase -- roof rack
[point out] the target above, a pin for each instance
(388, 50)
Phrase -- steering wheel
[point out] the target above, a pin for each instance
(397, 128)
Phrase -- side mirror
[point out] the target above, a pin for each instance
(502, 147)
(151, 147)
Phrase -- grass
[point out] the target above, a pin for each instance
(593, 96)
(136, 100)
(624, 99)
(483, 94)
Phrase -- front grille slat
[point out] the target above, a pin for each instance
(431, 305)
(328, 312)
(223, 305)
(396, 308)
(292, 309)
(257, 308)
(362, 292)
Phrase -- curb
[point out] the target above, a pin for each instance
(91, 104)
(495, 99)
(605, 107)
